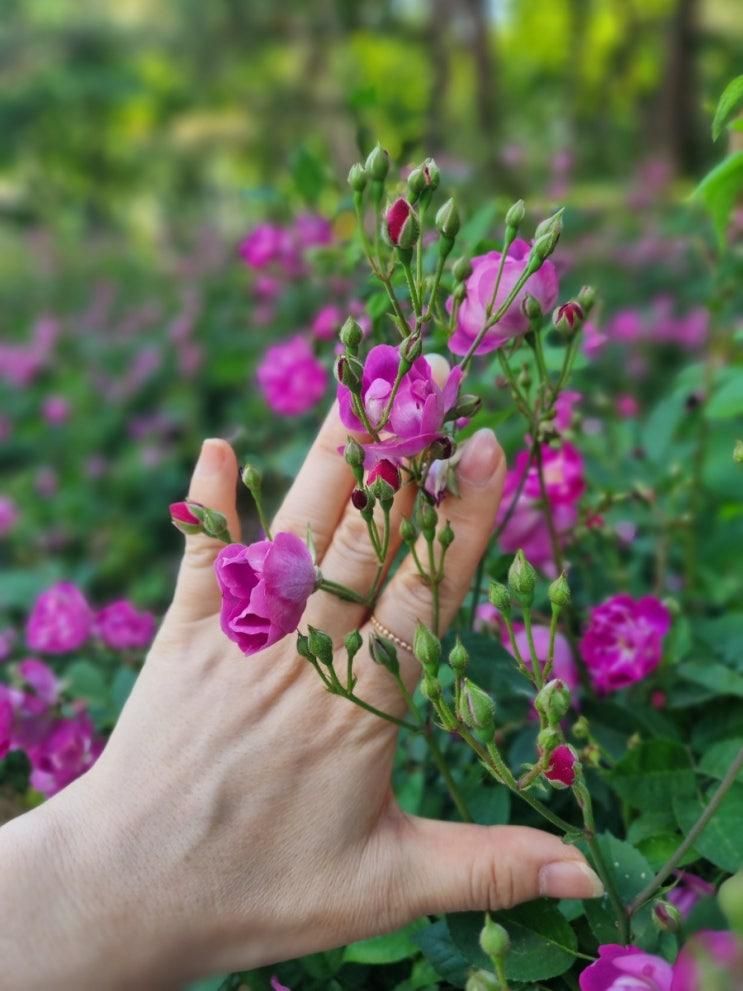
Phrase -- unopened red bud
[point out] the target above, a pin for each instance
(561, 771)
(666, 917)
(386, 471)
(568, 318)
(401, 224)
(359, 499)
(184, 518)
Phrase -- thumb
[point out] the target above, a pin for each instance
(213, 483)
(458, 867)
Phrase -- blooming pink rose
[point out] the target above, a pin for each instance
(55, 410)
(291, 377)
(9, 515)
(121, 626)
(561, 770)
(690, 889)
(265, 587)
(40, 677)
(543, 285)
(327, 322)
(626, 968)
(68, 751)
(623, 642)
(717, 952)
(526, 528)
(60, 620)
(418, 410)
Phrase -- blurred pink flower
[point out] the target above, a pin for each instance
(690, 889)
(720, 952)
(56, 410)
(265, 587)
(310, 230)
(60, 620)
(626, 406)
(263, 245)
(46, 481)
(543, 284)
(9, 515)
(67, 751)
(327, 322)
(564, 409)
(291, 378)
(6, 721)
(7, 639)
(41, 679)
(623, 642)
(121, 626)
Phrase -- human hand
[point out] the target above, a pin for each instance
(240, 814)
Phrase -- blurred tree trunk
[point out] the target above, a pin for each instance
(675, 127)
(484, 63)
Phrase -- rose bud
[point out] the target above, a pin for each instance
(353, 642)
(483, 980)
(351, 335)
(427, 648)
(377, 164)
(321, 645)
(462, 269)
(458, 658)
(442, 448)
(359, 499)
(522, 579)
(559, 592)
(183, 518)
(568, 318)
(475, 708)
(531, 307)
(348, 372)
(553, 701)
(494, 940)
(515, 215)
(401, 224)
(500, 597)
(561, 770)
(383, 652)
(666, 917)
(408, 532)
(446, 535)
(586, 298)
(410, 350)
(357, 177)
(447, 220)
(388, 472)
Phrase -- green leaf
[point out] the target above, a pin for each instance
(121, 686)
(660, 426)
(721, 842)
(719, 190)
(85, 681)
(543, 943)
(649, 775)
(438, 948)
(730, 102)
(714, 676)
(208, 984)
(716, 761)
(727, 401)
(631, 873)
(377, 304)
(390, 948)
(478, 225)
(489, 803)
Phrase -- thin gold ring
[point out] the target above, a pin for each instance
(389, 635)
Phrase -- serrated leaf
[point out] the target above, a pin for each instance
(721, 842)
(649, 775)
(716, 761)
(543, 943)
(730, 101)
(631, 873)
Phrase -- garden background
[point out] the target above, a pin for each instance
(144, 144)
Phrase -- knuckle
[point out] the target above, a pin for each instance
(415, 596)
(352, 541)
(493, 885)
(201, 551)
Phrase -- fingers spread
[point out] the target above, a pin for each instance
(213, 483)
(407, 599)
(322, 488)
(457, 867)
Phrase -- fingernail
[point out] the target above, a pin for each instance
(211, 457)
(569, 879)
(480, 458)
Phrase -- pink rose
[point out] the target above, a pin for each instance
(327, 322)
(60, 620)
(121, 626)
(543, 285)
(6, 721)
(626, 968)
(707, 953)
(263, 245)
(418, 410)
(40, 677)
(68, 751)
(291, 378)
(564, 409)
(265, 587)
(310, 230)
(623, 642)
(55, 410)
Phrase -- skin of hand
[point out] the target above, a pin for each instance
(241, 815)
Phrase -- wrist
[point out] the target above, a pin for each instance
(69, 910)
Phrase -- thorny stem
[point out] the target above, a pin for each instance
(693, 835)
